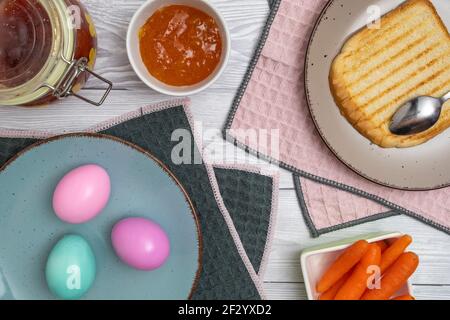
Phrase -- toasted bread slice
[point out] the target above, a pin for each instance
(378, 70)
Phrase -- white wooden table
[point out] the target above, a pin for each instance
(245, 18)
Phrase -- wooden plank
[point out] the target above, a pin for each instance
(285, 291)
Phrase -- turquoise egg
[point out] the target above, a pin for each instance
(70, 270)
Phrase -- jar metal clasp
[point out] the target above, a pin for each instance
(64, 87)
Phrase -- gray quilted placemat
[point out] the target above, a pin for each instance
(246, 195)
(247, 192)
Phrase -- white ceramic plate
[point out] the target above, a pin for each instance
(424, 167)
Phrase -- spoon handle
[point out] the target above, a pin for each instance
(446, 97)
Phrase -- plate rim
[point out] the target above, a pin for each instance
(312, 36)
(149, 155)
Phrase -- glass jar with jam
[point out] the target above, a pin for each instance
(47, 51)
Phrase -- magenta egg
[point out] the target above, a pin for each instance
(82, 194)
(140, 243)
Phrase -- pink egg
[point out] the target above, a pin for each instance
(82, 194)
(140, 243)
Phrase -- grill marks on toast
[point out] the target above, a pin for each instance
(378, 70)
(417, 73)
(406, 47)
(390, 27)
(362, 48)
(387, 74)
(412, 84)
(382, 51)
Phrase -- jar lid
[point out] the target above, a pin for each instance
(37, 39)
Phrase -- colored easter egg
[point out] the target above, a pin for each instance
(82, 194)
(140, 243)
(71, 268)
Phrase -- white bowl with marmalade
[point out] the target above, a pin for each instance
(178, 47)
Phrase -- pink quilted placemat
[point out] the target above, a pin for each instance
(272, 98)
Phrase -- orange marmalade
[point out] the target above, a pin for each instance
(180, 45)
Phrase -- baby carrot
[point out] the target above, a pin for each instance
(382, 244)
(356, 285)
(331, 293)
(391, 254)
(405, 297)
(394, 278)
(342, 265)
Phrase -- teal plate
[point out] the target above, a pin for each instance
(141, 186)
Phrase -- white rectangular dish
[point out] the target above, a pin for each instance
(316, 260)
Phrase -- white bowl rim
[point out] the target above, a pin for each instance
(218, 72)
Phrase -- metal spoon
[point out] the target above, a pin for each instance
(417, 115)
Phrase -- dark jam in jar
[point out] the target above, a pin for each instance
(36, 46)
(25, 41)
